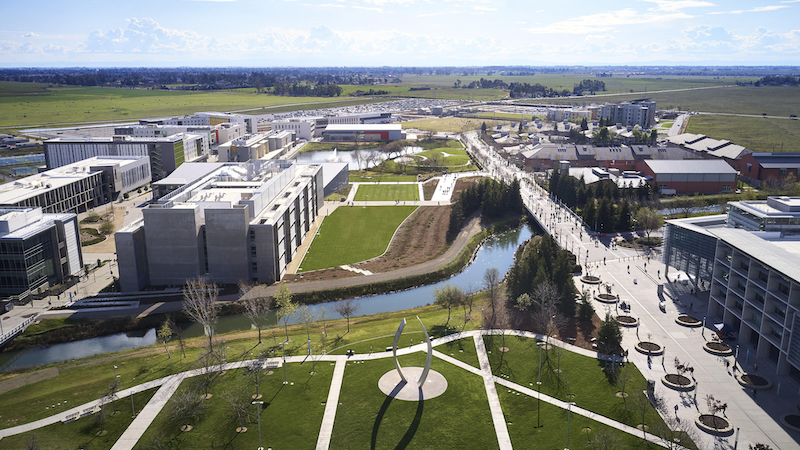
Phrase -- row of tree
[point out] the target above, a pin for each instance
(574, 192)
(494, 199)
(589, 85)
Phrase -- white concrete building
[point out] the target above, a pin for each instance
(78, 186)
(304, 129)
(364, 132)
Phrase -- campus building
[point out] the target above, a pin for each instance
(364, 132)
(303, 129)
(752, 278)
(207, 118)
(637, 112)
(241, 221)
(208, 132)
(166, 153)
(706, 176)
(78, 186)
(544, 156)
(37, 250)
(270, 145)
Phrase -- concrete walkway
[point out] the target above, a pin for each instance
(148, 414)
(500, 428)
(326, 430)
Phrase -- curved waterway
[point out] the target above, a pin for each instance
(497, 251)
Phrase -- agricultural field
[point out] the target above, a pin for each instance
(27, 104)
(387, 192)
(353, 234)
(760, 135)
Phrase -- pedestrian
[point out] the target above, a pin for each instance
(755, 367)
(754, 393)
(629, 268)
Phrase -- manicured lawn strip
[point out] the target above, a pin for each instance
(82, 433)
(757, 134)
(462, 350)
(357, 176)
(459, 418)
(521, 413)
(450, 124)
(387, 192)
(582, 376)
(291, 414)
(456, 157)
(353, 234)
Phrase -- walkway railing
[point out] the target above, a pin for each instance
(8, 335)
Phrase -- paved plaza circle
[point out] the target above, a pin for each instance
(435, 384)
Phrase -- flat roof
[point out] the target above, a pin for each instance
(188, 172)
(701, 166)
(365, 127)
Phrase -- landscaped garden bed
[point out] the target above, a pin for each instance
(649, 348)
(590, 279)
(718, 348)
(606, 298)
(714, 424)
(752, 381)
(677, 382)
(628, 321)
(688, 321)
(791, 421)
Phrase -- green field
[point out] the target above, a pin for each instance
(775, 101)
(387, 192)
(357, 176)
(352, 234)
(455, 157)
(27, 104)
(760, 135)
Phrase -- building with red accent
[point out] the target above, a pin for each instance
(363, 132)
(706, 176)
(756, 168)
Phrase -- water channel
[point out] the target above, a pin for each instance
(497, 252)
(357, 159)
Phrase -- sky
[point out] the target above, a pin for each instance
(308, 33)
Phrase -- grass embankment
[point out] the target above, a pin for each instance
(387, 192)
(450, 124)
(757, 134)
(339, 195)
(353, 234)
(358, 176)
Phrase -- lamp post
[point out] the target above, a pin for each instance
(539, 390)
(258, 404)
(569, 416)
(114, 396)
(283, 347)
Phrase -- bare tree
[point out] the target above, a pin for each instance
(624, 375)
(211, 362)
(286, 307)
(178, 333)
(467, 300)
(491, 280)
(347, 308)
(604, 440)
(239, 403)
(254, 372)
(200, 303)
(187, 405)
(306, 316)
(676, 433)
(256, 307)
(32, 442)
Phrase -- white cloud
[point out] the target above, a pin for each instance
(214, 1)
(605, 22)
(30, 35)
(757, 9)
(667, 5)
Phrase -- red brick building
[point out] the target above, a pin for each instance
(757, 167)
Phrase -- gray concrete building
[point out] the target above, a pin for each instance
(241, 221)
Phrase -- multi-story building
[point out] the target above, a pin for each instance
(364, 132)
(166, 153)
(242, 221)
(708, 176)
(207, 118)
(304, 129)
(270, 145)
(638, 112)
(559, 114)
(37, 251)
(749, 262)
(150, 131)
(78, 186)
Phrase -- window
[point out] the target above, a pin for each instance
(255, 267)
(749, 167)
(783, 172)
(726, 188)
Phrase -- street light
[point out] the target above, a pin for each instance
(258, 404)
(539, 390)
(569, 416)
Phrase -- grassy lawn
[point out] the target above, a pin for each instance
(25, 104)
(342, 147)
(582, 377)
(357, 176)
(506, 116)
(366, 418)
(83, 433)
(454, 157)
(521, 413)
(387, 192)
(450, 124)
(300, 403)
(760, 135)
(353, 234)
(339, 195)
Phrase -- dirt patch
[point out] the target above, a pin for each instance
(28, 378)
(421, 238)
(750, 379)
(464, 183)
(581, 331)
(678, 379)
(714, 422)
(429, 188)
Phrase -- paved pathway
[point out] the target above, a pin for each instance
(326, 430)
(500, 428)
(148, 414)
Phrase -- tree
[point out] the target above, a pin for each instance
(447, 297)
(239, 403)
(200, 304)
(187, 405)
(306, 316)
(347, 308)
(584, 124)
(624, 375)
(685, 205)
(164, 333)
(107, 227)
(286, 307)
(491, 280)
(586, 309)
(653, 135)
(604, 440)
(256, 307)
(483, 127)
(178, 333)
(32, 442)
(649, 220)
(609, 335)
(254, 373)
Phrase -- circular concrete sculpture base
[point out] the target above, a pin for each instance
(434, 386)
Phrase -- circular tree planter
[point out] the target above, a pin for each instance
(716, 425)
(606, 298)
(791, 421)
(688, 321)
(628, 321)
(590, 279)
(751, 381)
(677, 382)
(649, 348)
(718, 348)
